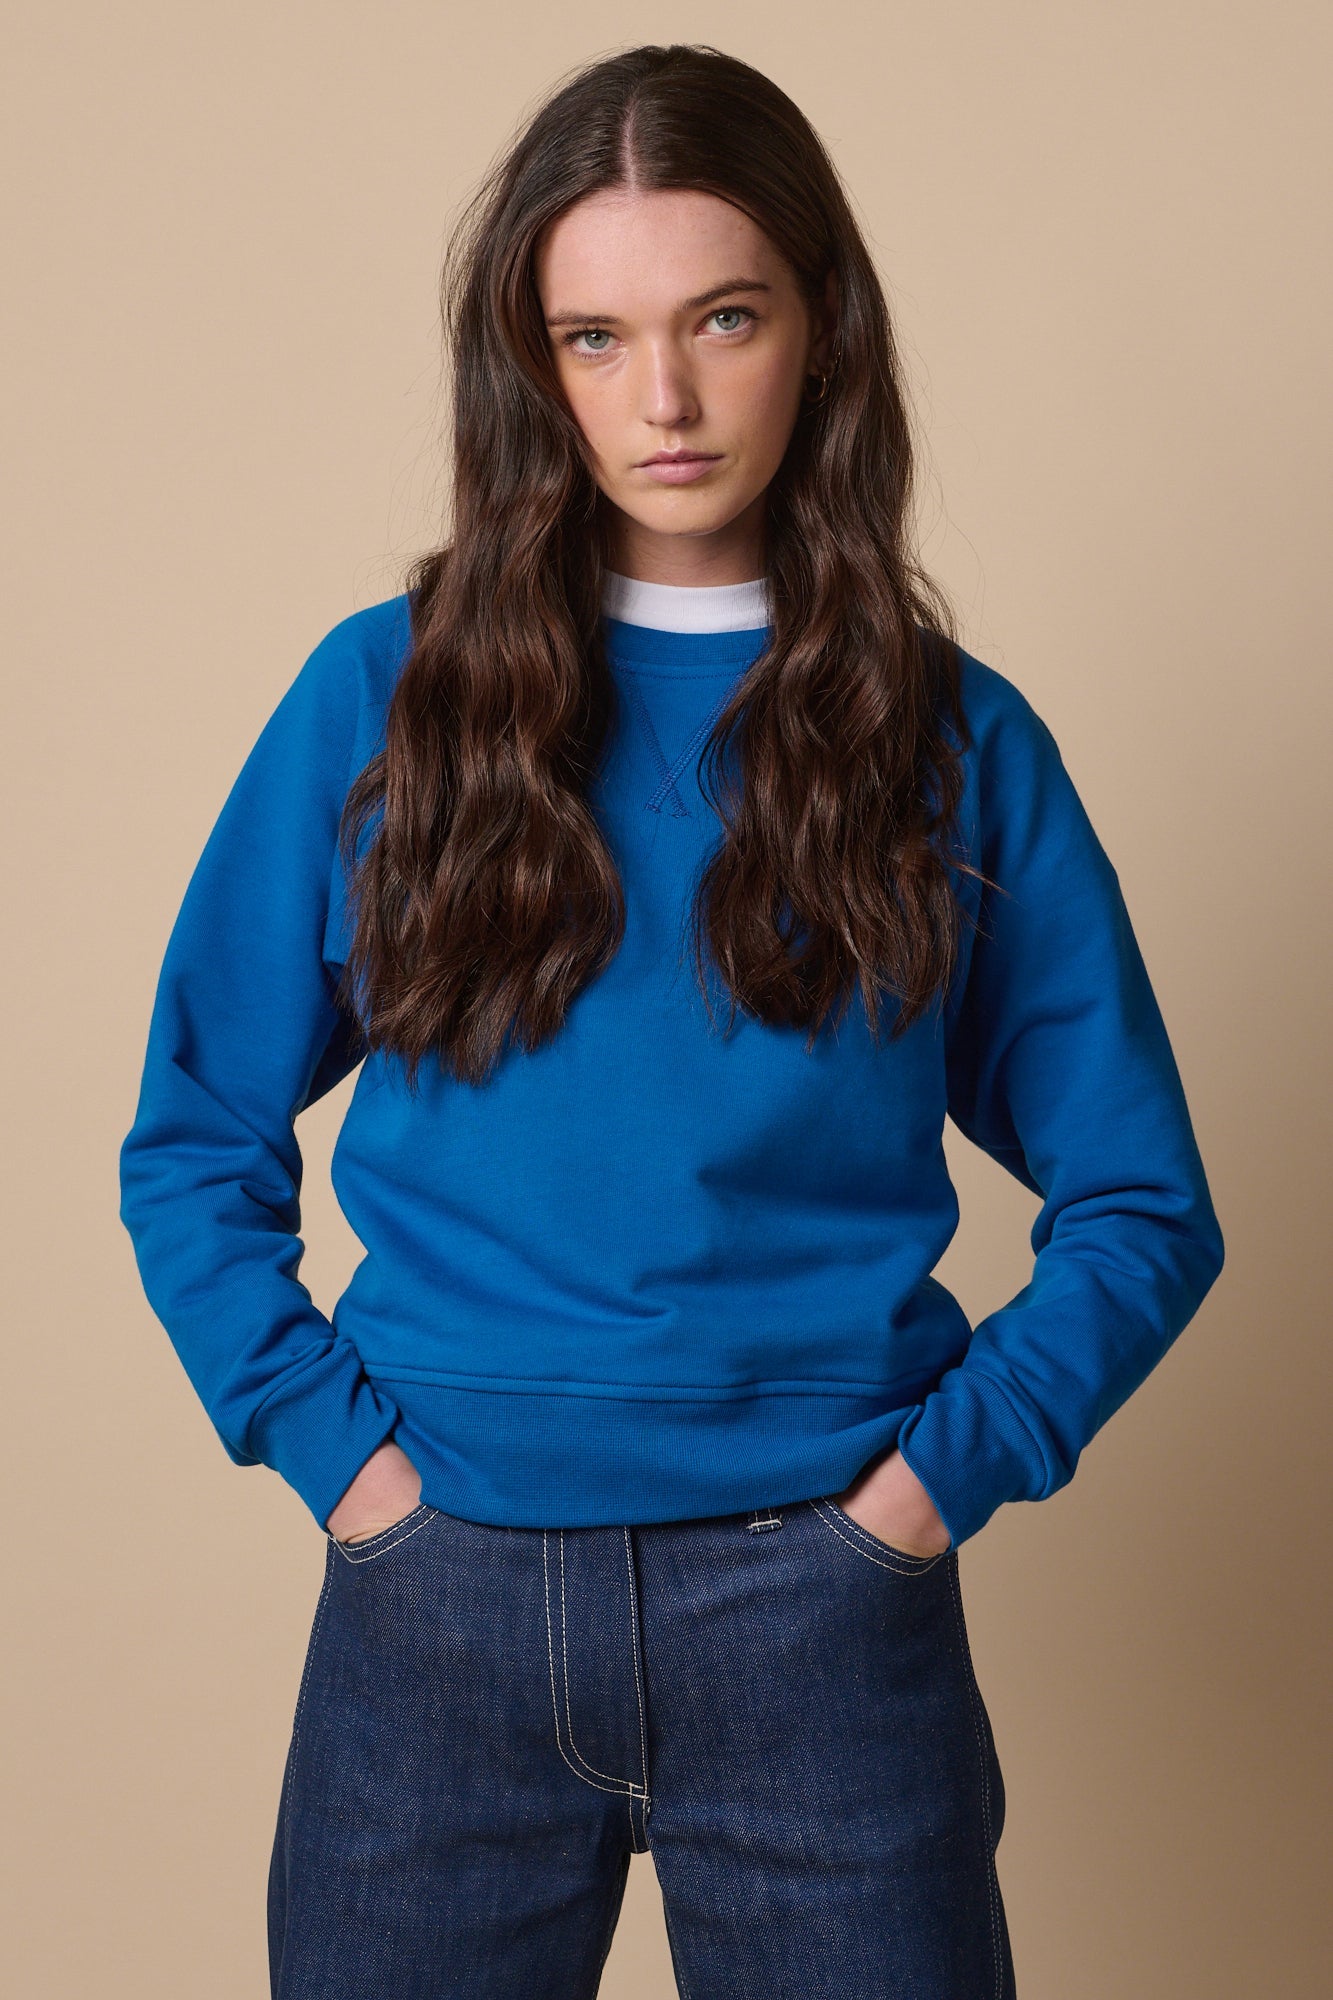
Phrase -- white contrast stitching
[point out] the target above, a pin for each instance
(759, 1519)
(310, 1658)
(974, 1697)
(289, 1778)
(615, 1785)
(643, 1729)
(870, 1546)
(375, 1545)
(628, 1783)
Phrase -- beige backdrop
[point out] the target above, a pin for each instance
(1102, 234)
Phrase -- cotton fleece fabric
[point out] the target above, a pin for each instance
(655, 1270)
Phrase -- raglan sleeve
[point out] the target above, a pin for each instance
(245, 1032)
(1059, 1066)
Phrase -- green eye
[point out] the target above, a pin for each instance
(742, 314)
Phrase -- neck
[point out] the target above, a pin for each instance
(734, 554)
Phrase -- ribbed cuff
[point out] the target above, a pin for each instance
(969, 1449)
(319, 1433)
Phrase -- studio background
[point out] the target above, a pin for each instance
(1104, 239)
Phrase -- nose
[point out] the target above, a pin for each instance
(667, 391)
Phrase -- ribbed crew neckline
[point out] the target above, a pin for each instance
(686, 607)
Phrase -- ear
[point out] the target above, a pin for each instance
(825, 326)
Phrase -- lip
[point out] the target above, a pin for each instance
(679, 468)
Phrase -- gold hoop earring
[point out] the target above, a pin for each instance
(823, 382)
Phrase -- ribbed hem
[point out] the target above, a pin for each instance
(541, 1459)
(319, 1433)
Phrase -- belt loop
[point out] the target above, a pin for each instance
(764, 1517)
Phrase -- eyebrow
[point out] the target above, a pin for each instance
(686, 305)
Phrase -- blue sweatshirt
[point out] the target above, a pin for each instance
(652, 1271)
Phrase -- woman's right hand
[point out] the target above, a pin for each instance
(386, 1489)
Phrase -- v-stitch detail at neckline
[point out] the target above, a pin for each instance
(670, 771)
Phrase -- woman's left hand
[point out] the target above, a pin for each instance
(888, 1500)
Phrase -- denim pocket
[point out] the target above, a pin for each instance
(388, 1538)
(840, 1523)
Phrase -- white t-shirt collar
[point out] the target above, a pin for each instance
(681, 607)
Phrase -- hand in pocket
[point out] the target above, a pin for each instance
(385, 1490)
(889, 1501)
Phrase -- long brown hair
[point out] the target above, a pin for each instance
(488, 897)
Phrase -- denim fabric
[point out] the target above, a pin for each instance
(776, 1703)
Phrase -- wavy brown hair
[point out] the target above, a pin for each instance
(488, 897)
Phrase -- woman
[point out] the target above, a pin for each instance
(643, 1438)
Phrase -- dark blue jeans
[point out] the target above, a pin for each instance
(776, 1703)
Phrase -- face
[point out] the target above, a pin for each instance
(676, 326)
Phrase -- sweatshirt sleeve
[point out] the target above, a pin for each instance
(1059, 1066)
(245, 1032)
